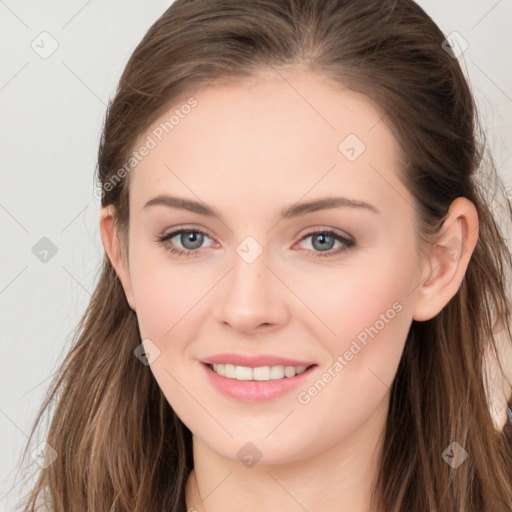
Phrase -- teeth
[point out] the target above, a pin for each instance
(232, 371)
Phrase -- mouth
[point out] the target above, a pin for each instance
(259, 383)
(258, 373)
(257, 377)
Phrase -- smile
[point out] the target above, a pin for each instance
(260, 373)
(257, 384)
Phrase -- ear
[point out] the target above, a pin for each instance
(113, 248)
(447, 261)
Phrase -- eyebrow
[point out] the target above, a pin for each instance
(289, 212)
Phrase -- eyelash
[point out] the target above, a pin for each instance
(187, 252)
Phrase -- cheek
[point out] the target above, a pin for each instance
(167, 304)
(371, 326)
(164, 291)
(363, 301)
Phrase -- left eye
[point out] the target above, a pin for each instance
(192, 239)
(324, 238)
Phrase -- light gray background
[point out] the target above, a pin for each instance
(52, 114)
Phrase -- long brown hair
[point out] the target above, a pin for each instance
(119, 443)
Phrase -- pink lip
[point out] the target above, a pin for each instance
(254, 361)
(253, 390)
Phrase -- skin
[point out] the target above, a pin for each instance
(249, 149)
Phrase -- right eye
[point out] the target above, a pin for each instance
(194, 237)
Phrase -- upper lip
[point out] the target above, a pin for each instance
(255, 360)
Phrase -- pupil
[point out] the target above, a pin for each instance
(324, 239)
(191, 237)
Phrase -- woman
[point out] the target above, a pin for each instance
(304, 289)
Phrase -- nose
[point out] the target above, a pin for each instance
(251, 297)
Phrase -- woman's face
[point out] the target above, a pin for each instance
(260, 283)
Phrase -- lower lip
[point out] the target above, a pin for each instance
(256, 390)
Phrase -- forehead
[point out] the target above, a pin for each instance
(277, 135)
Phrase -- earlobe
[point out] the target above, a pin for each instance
(112, 246)
(447, 261)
